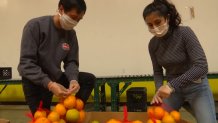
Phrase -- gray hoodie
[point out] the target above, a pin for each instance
(43, 48)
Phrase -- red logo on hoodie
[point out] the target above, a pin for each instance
(65, 46)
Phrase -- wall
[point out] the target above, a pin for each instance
(113, 37)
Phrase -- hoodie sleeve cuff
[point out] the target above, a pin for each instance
(45, 82)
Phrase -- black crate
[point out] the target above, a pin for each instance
(5, 72)
(137, 99)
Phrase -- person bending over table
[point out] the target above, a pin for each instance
(48, 41)
(176, 49)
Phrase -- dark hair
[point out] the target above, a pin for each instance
(165, 9)
(68, 5)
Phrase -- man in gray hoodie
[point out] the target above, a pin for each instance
(48, 41)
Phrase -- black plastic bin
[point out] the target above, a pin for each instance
(137, 99)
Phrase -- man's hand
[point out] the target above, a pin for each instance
(58, 90)
(74, 86)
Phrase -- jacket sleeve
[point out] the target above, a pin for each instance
(71, 62)
(197, 56)
(28, 66)
(157, 69)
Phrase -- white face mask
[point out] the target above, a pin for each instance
(160, 31)
(66, 22)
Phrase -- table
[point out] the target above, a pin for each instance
(116, 91)
(102, 117)
(4, 121)
(7, 82)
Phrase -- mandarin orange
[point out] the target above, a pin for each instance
(79, 104)
(70, 102)
(176, 115)
(60, 109)
(158, 112)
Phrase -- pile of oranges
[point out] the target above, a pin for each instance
(70, 110)
(117, 121)
(157, 114)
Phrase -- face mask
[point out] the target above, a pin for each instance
(160, 31)
(66, 22)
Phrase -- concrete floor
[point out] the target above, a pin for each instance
(16, 113)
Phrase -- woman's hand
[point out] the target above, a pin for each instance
(156, 99)
(163, 92)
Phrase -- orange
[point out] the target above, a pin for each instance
(70, 102)
(56, 122)
(62, 121)
(82, 115)
(151, 121)
(166, 113)
(175, 115)
(168, 119)
(60, 109)
(158, 112)
(113, 121)
(42, 120)
(150, 112)
(136, 121)
(72, 115)
(53, 116)
(39, 113)
(79, 104)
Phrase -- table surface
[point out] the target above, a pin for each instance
(4, 121)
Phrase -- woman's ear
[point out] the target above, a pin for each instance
(61, 9)
(168, 17)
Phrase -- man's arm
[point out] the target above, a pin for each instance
(28, 66)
